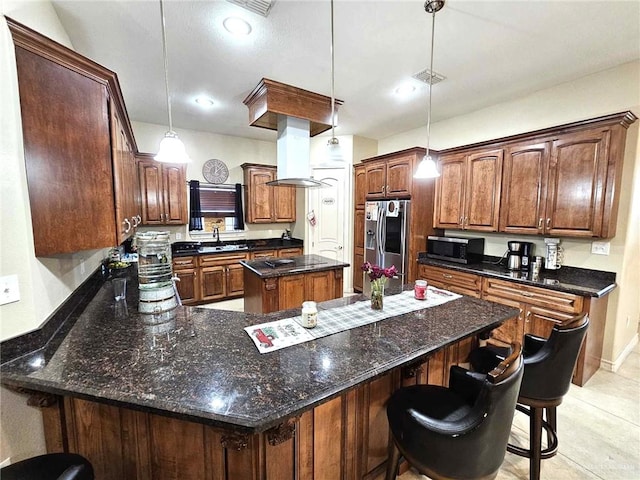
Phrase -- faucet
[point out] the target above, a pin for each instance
(216, 233)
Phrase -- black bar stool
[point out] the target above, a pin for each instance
(52, 466)
(548, 368)
(456, 432)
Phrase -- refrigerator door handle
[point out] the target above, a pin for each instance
(381, 228)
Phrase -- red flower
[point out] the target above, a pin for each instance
(375, 272)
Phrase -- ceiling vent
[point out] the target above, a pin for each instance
(261, 7)
(424, 75)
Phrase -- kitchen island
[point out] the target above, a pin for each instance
(186, 395)
(281, 283)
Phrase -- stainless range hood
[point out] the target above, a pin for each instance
(294, 153)
(297, 115)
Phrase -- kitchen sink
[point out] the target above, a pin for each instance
(221, 248)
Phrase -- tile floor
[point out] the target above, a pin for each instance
(598, 427)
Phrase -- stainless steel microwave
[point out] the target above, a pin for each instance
(455, 249)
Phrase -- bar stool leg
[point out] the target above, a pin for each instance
(392, 461)
(551, 420)
(535, 442)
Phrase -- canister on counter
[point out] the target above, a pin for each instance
(309, 314)
(420, 290)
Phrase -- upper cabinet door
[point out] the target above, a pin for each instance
(399, 177)
(175, 194)
(524, 188)
(284, 201)
(67, 150)
(376, 175)
(482, 191)
(448, 212)
(151, 192)
(259, 195)
(577, 179)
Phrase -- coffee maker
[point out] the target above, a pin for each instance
(519, 255)
(514, 255)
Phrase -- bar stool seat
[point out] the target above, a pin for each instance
(52, 466)
(460, 432)
(548, 368)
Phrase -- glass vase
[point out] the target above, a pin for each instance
(377, 295)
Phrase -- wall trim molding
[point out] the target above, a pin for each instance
(617, 363)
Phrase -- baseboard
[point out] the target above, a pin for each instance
(615, 365)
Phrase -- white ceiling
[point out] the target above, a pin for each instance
(489, 52)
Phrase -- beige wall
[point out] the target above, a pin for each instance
(610, 91)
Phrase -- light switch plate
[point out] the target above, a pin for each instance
(9, 291)
(600, 248)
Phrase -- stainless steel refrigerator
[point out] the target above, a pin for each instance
(386, 238)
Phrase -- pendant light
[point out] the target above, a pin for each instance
(171, 147)
(333, 145)
(427, 167)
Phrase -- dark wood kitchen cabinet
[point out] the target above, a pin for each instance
(390, 176)
(221, 276)
(557, 187)
(163, 188)
(71, 151)
(265, 203)
(359, 182)
(188, 285)
(562, 181)
(468, 191)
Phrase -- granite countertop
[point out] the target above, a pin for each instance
(245, 246)
(280, 267)
(579, 281)
(200, 365)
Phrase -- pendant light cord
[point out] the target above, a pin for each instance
(333, 100)
(166, 64)
(433, 28)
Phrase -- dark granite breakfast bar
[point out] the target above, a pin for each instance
(132, 391)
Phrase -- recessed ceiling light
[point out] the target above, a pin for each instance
(237, 26)
(405, 89)
(204, 102)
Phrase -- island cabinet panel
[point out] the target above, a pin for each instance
(319, 286)
(291, 292)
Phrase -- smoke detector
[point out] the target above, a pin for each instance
(261, 7)
(424, 75)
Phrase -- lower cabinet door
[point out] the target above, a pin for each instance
(291, 292)
(235, 280)
(188, 287)
(213, 283)
(319, 286)
(540, 321)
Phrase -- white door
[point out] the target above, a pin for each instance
(329, 206)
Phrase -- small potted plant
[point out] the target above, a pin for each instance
(378, 277)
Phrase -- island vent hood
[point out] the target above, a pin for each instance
(296, 115)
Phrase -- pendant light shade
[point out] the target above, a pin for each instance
(427, 167)
(171, 147)
(334, 151)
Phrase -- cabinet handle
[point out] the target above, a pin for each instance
(383, 189)
(527, 294)
(446, 275)
(134, 220)
(548, 222)
(540, 220)
(466, 221)
(127, 224)
(460, 222)
(139, 218)
(527, 318)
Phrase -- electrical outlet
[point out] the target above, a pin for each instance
(178, 236)
(9, 291)
(600, 248)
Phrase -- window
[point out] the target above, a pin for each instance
(218, 206)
